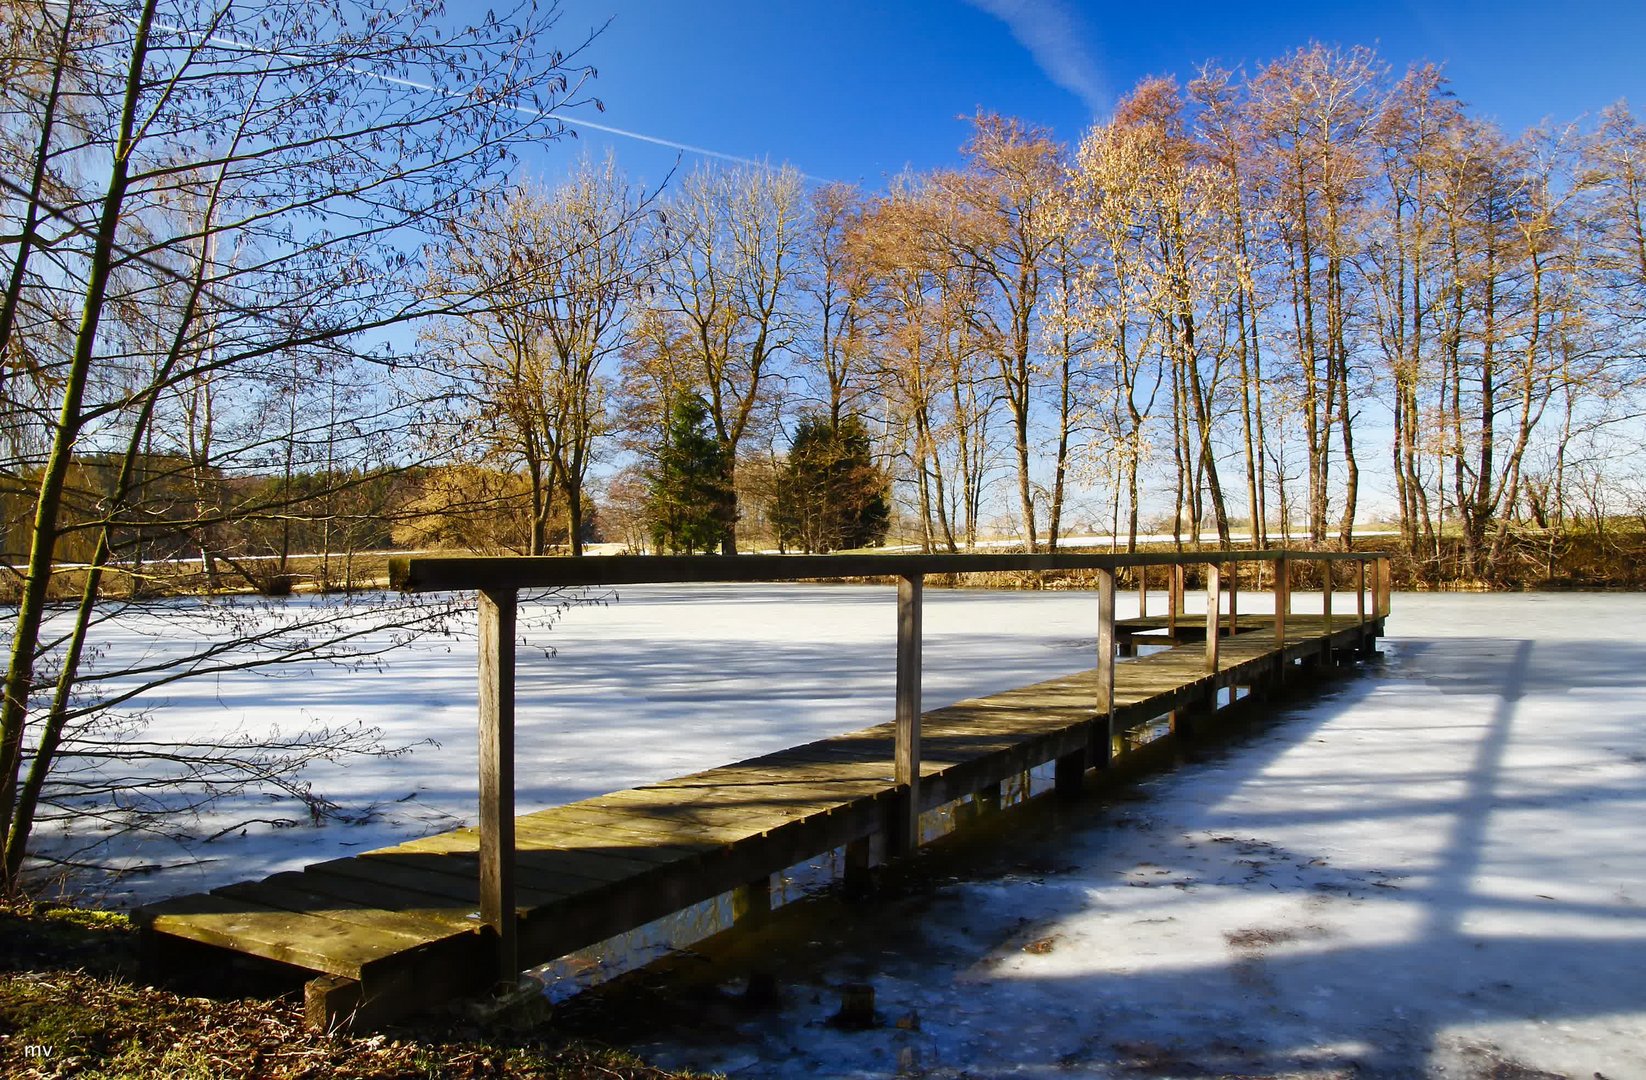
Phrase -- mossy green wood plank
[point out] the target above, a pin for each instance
(565, 828)
(642, 825)
(760, 808)
(582, 827)
(557, 877)
(449, 916)
(577, 869)
(451, 878)
(287, 893)
(304, 941)
(556, 836)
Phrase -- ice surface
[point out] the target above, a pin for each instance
(1436, 870)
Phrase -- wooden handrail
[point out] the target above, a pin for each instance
(499, 579)
(472, 572)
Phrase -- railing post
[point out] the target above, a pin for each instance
(1142, 590)
(1360, 593)
(1174, 599)
(904, 834)
(1384, 585)
(1234, 598)
(497, 909)
(1326, 592)
(1214, 614)
(1103, 732)
(1283, 598)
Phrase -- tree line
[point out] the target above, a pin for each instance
(1230, 302)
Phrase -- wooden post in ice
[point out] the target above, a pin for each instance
(1103, 732)
(1360, 592)
(1326, 584)
(1283, 605)
(497, 626)
(904, 833)
(1328, 653)
(1214, 614)
(1174, 599)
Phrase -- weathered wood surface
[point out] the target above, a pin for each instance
(462, 573)
(408, 922)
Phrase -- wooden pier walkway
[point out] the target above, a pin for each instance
(407, 927)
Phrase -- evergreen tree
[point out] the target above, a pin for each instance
(690, 505)
(830, 494)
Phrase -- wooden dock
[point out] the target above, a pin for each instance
(407, 927)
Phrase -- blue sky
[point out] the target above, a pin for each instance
(854, 90)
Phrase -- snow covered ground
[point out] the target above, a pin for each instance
(1436, 870)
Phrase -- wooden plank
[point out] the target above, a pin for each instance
(450, 917)
(289, 892)
(575, 832)
(593, 867)
(512, 572)
(305, 941)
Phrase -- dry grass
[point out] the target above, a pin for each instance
(68, 983)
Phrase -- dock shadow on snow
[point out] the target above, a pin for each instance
(1398, 907)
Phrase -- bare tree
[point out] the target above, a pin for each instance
(729, 247)
(552, 274)
(1004, 234)
(309, 143)
(1312, 112)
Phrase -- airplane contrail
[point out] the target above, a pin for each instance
(525, 110)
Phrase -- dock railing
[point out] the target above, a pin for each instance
(499, 579)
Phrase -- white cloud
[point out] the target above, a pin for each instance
(1053, 35)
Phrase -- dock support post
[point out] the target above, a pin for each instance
(1283, 607)
(1174, 600)
(497, 628)
(1328, 652)
(904, 834)
(1384, 585)
(1068, 774)
(1326, 586)
(1103, 733)
(1365, 648)
(1360, 591)
(1214, 614)
(752, 901)
(856, 873)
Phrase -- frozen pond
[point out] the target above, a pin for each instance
(644, 683)
(1436, 870)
